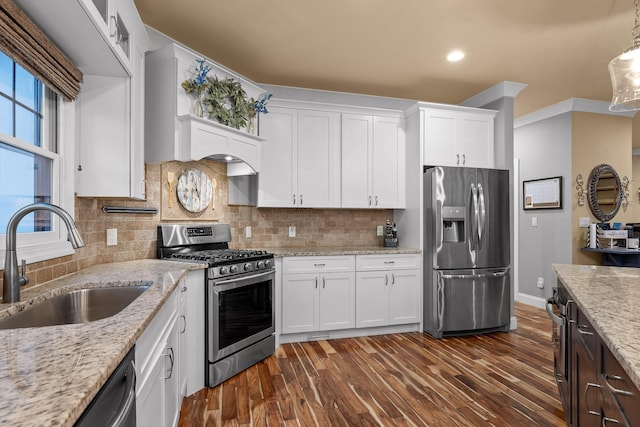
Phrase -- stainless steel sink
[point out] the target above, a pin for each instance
(79, 306)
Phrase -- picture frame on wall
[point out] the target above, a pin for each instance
(543, 193)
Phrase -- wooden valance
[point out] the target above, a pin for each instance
(26, 44)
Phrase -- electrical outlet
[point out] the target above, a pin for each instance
(112, 236)
(379, 231)
(292, 231)
(534, 221)
(584, 222)
(247, 232)
(540, 282)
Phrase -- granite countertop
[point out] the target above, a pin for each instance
(609, 297)
(337, 250)
(49, 375)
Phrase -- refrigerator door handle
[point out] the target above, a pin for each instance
(474, 276)
(482, 215)
(473, 244)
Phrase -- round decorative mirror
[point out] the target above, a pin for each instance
(605, 192)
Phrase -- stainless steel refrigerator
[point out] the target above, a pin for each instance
(466, 258)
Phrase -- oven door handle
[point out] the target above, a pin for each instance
(556, 319)
(236, 279)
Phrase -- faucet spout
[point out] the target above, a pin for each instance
(11, 280)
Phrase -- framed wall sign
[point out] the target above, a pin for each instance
(545, 193)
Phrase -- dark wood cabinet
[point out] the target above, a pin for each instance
(602, 394)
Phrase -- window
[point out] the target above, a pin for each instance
(29, 161)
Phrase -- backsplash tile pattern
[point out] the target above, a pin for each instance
(269, 228)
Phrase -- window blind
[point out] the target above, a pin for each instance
(26, 44)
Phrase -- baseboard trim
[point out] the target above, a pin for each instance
(531, 300)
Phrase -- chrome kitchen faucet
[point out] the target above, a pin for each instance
(11, 279)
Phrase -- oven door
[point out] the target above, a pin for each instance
(240, 312)
(557, 307)
(557, 313)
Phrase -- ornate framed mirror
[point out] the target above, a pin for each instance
(605, 192)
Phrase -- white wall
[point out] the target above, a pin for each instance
(544, 150)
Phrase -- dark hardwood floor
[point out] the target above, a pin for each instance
(499, 379)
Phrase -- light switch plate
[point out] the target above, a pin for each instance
(247, 232)
(292, 231)
(379, 231)
(534, 221)
(112, 236)
(584, 222)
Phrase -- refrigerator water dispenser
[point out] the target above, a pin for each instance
(453, 224)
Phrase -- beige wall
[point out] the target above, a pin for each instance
(137, 232)
(597, 139)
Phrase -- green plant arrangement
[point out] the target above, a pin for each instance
(197, 85)
(226, 102)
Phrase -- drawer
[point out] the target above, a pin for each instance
(388, 262)
(585, 335)
(619, 389)
(313, 264)
(155, 332)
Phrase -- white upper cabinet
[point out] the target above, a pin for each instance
(300, 158)
(458, 136)
(107, 40)
(373, 159)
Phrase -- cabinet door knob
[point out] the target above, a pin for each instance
(464, 159)
(457, 159)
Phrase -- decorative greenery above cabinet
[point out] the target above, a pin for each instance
(173, 132)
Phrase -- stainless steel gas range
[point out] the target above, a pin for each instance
(239, 306)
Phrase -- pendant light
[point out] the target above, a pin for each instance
(625, 73)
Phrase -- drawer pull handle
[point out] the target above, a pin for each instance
(612, 388)
(606, 420)
(389, 262)
(319, 265)
(586, 401)
(581, 330)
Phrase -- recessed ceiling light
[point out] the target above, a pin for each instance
(455, 55)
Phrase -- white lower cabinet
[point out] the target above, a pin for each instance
(387, 290)
(318, 294)
(341, 294)
(170, 355)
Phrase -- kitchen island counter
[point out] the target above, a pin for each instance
(48, 375)
(338, 250)
(609, 297)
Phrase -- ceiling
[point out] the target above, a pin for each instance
(560, 49)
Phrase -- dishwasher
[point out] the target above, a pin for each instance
(115, 403)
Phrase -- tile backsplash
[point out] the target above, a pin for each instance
(269, 227)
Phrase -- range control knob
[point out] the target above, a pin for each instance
(233, 269)
(248, 266)
(260, 264)
(224, 270)
(267, 263)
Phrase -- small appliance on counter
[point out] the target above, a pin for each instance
(391, 235)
